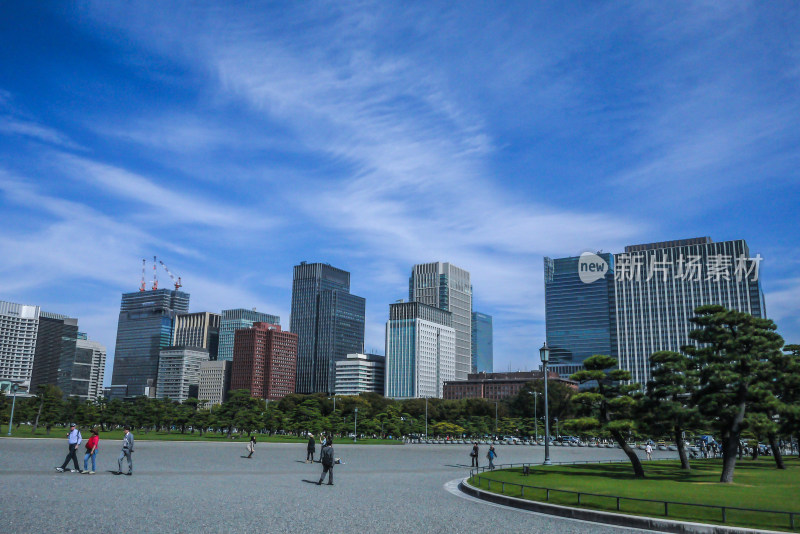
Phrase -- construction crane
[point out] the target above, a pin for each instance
(178, 282)
(155, 275)
(143, 286)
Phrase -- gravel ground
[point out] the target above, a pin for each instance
(210, 487)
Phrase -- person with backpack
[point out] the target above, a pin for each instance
(91, 452)
(73, 440)
(491, 455)
(474, 455)
(326, 457)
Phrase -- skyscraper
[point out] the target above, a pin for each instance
(215, 382)
(447, 287)
(199, 329)
(233, 320)
(579, 316)
(87, 350)
(420, 350)
(54, 361)
(361, 373)
(18, 327)
(178, 371)
(264, 361)
(145, 327)
(482, 343)
(635, 303)
(329, 322)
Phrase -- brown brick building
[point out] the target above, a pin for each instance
(264, 361)
(497, 386)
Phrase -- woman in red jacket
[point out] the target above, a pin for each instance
(91, 452)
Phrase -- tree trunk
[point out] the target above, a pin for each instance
(729, 449)
(638, 471)
(36, 422)
(755, 451)
(681, 448)
(776, 450)
(741, 451)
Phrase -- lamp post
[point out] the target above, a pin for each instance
(355, 426)
(535, 419)
(14, 388)
(426, 417)
(544, 354)
(495, 419)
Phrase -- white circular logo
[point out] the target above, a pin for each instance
(591, 267)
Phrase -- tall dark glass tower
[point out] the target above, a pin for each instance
(329, 323)
(482, 343)
(145, 327)
(55, 359)
(580, 316)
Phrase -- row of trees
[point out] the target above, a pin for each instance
(739, 378)
(296, 414)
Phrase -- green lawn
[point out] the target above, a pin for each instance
(24, 431)
(757, 484)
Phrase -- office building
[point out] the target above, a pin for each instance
(94, 354)
(482, 343)
(498, 386)
(329, 323)
(146, 320)
(199, 329)
(215, 382)
(420, 350)
(54, 360)
(233, 320)
(360, 373)
(447, 287)
(18, 327)
(638, 302)
(178, 371)
(264, 361)
(579, 316)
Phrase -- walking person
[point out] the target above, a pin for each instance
(491, 455)
(73, 439)
(474, 455)
(127, 451)
(91, 452)
(251, 446)
(649, 451)
(311, 448)
(326, 458)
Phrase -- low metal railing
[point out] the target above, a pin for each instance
(474, 474)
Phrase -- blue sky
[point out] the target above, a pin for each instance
(234, 140)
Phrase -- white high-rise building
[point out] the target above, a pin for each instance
(447, 287)
(360, 373)
(178, 369)
(98, 365)
(420, 350)
(18, 329)
(215, 381)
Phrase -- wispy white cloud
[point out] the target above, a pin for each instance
(16, 126)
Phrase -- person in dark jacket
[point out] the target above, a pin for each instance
(474, 455)
(326, 457)
(311, 448)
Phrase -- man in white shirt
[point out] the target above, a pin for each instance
(74, 439)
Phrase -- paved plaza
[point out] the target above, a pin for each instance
(210, 487)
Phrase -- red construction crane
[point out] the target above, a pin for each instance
(178, 282)
(155, 275)
(143, 286)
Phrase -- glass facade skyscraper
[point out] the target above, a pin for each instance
(233, 320)
(144, 328)
(18, 326)
(448, 288)
(579, 316)
(482, 343)
(329, 323)
(632, 304)
(56, 360)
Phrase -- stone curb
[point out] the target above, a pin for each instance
(608, 518)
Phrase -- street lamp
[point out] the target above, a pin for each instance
(14, 388)
(544, 354)
(355, 426)
(426, 417)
